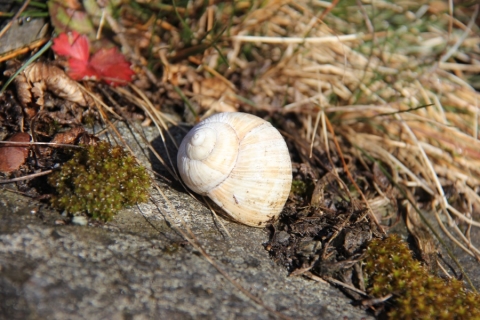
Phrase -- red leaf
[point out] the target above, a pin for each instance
(81, 70)
(72, 45)
(111, 66)
(108, 65)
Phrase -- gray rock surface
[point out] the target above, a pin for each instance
(22, 32)
(138, 267)
(132, 268)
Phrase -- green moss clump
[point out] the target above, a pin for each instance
(299, 187)
(99, 180)
(391, 269)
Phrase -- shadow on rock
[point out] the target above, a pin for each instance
(167, 151)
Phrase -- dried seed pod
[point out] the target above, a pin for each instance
(12, 156)
(239, 161)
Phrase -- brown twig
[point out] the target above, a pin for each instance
(30, 176)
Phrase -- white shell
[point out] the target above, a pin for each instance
(240, 162)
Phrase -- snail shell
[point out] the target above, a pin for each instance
(240, 162)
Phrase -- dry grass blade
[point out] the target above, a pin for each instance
(156, 118)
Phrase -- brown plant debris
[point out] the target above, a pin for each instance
(37, 78)
(324, 231)
(12, 156)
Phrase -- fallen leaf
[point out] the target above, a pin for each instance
(108, 65)
(76, 135)
(56, 81)
(72, 45)
(12, 156)
(69, 136)
(81, 70)
(111, 66)
(24, 87)
(69, 15)
(39, 77)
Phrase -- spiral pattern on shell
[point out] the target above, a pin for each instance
(239, 161)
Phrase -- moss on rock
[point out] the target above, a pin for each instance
(99, 180)
(417, 294)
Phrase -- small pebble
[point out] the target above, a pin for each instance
(80, 220)
(282, 237)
